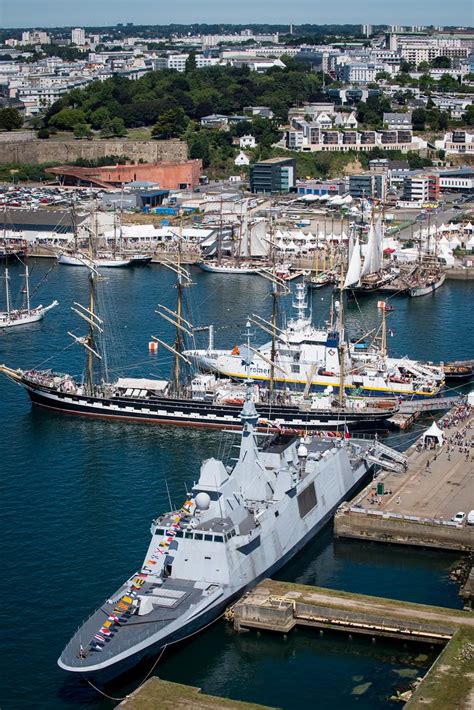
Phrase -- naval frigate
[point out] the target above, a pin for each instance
(240, 524)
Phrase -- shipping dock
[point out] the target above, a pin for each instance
(416, 504)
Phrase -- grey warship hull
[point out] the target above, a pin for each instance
(156, 642)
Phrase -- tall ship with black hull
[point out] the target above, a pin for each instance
(205, 402)
(230, 533)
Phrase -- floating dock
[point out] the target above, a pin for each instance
(415, 506)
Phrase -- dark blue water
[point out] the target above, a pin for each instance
(78, 497)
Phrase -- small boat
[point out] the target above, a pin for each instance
(230, 267)
(13, 317)
(427, 285)
(320, 280)
(104, 261)
(458, 371)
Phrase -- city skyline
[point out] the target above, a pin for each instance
(58, 13)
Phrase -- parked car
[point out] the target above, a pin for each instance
(470, 517)
(459, 518)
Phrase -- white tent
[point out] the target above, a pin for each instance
(434, 433)
(469, 227)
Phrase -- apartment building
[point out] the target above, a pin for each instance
(78, 36)
(458, 141)
(273, 176)
(309, 137)
(367, 186)
(421, 189)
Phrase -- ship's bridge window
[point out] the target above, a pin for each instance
(198, 536)
(188, 535)
(218, 538)
(295, 368)
(208, 538)
(179, 533)
(159, 531)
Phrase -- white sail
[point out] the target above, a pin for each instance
(254, 240)
(350, 247)
(367, 267)
(374, 254)
(353, 271)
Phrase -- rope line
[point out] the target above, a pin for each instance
(194, 633)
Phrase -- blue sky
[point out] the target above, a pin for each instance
(31, 13)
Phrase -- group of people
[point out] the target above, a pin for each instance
(459, 414)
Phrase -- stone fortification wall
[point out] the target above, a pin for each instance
(60, 152)
(17, 136)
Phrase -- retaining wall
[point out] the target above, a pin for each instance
(382, 529)
(51, 151)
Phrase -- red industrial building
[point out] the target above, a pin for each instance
(168, 175)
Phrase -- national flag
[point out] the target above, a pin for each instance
(99, 638)
(346, 432)
(113, 617)
(106, 632)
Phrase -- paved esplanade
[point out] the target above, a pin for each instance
(438, 482)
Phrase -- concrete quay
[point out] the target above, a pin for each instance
(280, 606)
(417, 505)
(449, 683)
(158, 694)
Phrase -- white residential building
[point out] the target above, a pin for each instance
(458, 141)
(242, 159)
(35, 37)
(360, 73)
(247, 141)
(78, 36)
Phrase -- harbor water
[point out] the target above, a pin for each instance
(78, 497)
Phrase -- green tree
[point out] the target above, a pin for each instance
(99, 117)
(423, 66)
(67, 118)
(82, 130)
(468, 117)
(118, 127)
(190, 64)
(10, 118)
(170, 124)
(419, 118)
(441, 63)
(43, 133)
